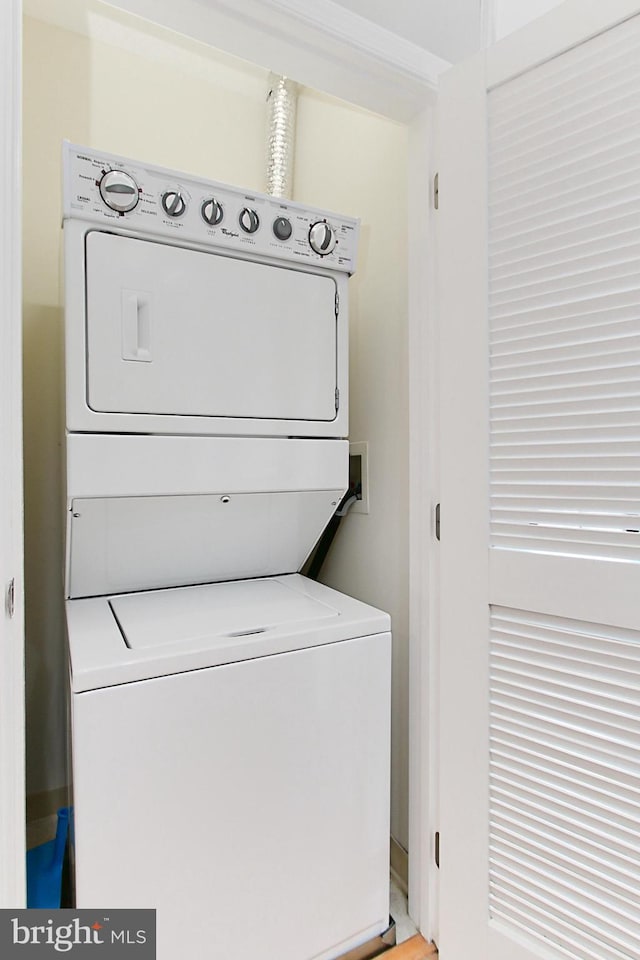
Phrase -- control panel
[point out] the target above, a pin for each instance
(148, 199)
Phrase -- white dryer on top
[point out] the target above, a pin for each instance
(195, 308)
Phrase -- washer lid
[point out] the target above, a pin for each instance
(216, 613)
(130, 637)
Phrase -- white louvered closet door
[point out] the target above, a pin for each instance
(539, 248)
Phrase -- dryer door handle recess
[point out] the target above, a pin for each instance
(136, 326)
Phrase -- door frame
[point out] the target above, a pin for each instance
(326, 47)
(12, 722)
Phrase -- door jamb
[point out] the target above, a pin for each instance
(12, 720)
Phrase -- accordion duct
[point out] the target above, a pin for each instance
(282, 97)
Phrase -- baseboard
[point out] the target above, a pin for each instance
(46, 803)
(399, 865)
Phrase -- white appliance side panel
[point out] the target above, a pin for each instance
(181, 332)
(249, 804)
(118, 544)
(110, 465)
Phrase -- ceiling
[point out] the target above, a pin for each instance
(448, 28)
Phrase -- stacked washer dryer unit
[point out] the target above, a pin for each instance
(230, 718)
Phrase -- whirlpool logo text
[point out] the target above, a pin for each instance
(41, 933)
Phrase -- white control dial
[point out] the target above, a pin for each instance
(322, 238)
(173, 203)
(212, 212)
(249, 220)
(119, 191)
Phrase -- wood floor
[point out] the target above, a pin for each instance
(416, 948)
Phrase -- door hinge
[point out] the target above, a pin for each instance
(11, 598)
(337, 303)
(437, 521)
(337, 399)
(436, 849)
(436, 191)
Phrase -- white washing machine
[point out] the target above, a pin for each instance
(230, 718)
(230, 747)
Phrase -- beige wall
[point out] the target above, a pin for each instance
(155, 97)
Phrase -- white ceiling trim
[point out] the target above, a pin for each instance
(326, 48)
(338, 23)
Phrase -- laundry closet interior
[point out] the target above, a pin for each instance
(104, 79)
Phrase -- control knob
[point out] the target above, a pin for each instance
(173, 203)
(282, 228)
(212, 212)
(249, 220)
(119, 191)
(322, 238)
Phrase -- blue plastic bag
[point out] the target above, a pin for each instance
(44, 867)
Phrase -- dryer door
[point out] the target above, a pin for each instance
(172, 331)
